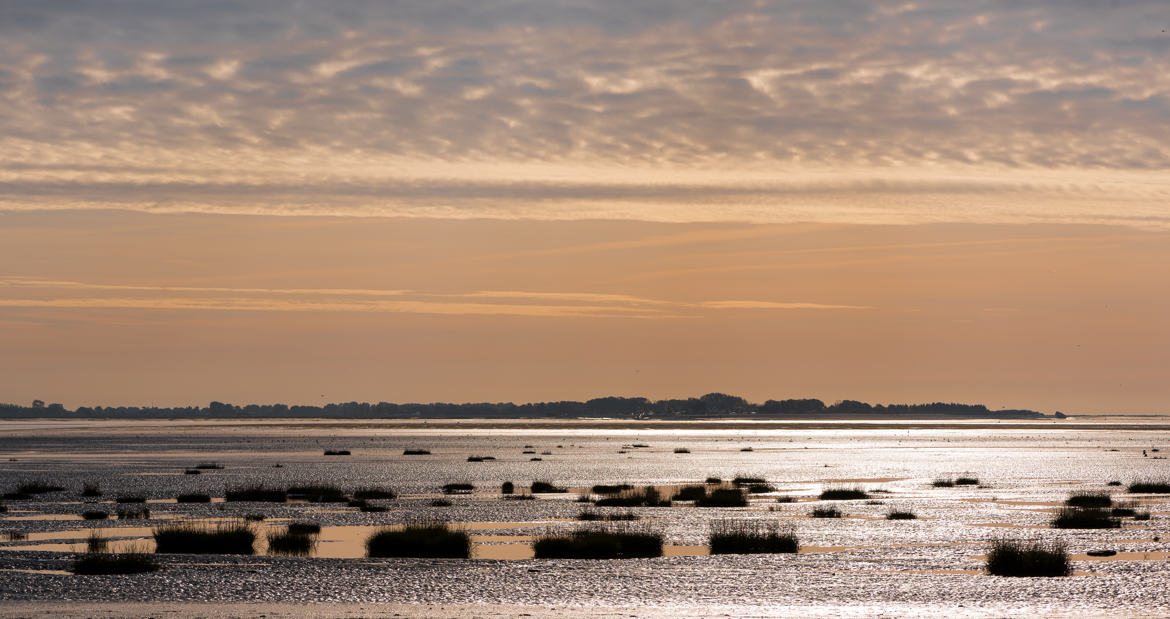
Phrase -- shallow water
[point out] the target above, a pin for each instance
(860, 564)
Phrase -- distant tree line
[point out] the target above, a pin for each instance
(712, 405)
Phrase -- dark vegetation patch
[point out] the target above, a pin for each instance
(523, 496)
(1150, 487)
(713, 480)
(337, 452)
(591, 516)
(416, 452)
(95, 514)
(610, 488)
(1101, 553)
(785, 499)
(901, 514)
(441, 503)
(744, 480)
(100, 563)
(1013, 558)
(38, 486)
(130, 499)
(458, 488)
(646, 497)
(91, 490)
(480, 458)
(221, 539)
(1089, 499)
(192, 472)
(681, 450)
(96, 542)
(1113, 483)
(209, 466)
(317, 493)
(943, 482)
(825, 512)
(419, 540)
(843, 493)
(1084, 518)
(254, 517)
(133, 513)
(301, 527)
(545, 486)
(298, 538)
(690, 493)
(723, 497)
(966, 481)
(599, 542)
(507, 488)
(760, 488)
(193, 498)
(15, 536)
(373, 509)
(1125, 509)
(746, 449)
(751, 537)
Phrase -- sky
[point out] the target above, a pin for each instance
(309, 202)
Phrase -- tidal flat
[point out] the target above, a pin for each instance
(859, 564)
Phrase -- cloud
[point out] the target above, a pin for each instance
(871, 88)
(88, 295)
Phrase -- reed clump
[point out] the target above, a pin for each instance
(646, 497)
(1149, 486)
(256, 493)
(420, 540)
(723, 497)
(1014, 558)
(374, 493)
(751, 537)
(95, 514)
(901, 514)
(545, 486)
(458, 488)
(591, 516)
(690, 493)
(235, 538)
(610, 488)
(415, 452)
(843, 493)
(95, 563)
(91, 490)
(317, 493)
(297, 539)
(1089, 499)
(599, 542)
(825, 512)
(1085, 518)
(38, 486)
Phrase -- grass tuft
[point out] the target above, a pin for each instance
(751, 537)
(458, 488)
(611, 488)
(292, 541)
(38, 486)
(98, 563)
(690, 493)
(318, 493)
(419, 540)
(91, 490)
(1089, 499)
(1011, 558)
(943, 482)
(191, 538)
(415, 452)
(95, 514)
(681, 450)
(825, 512)
(966, 481)
(744, 480)
(209, 466)
(337, 452)
(96, 542)
(544, 486)
(713, 480)
(898, 514)
(646, 497)
(843, 493)
(507, 488)
(441, 503)
(599, 542)
(591, 516)
(130, 499)
(723, 497)
(1084, 518)
(1149, 487)
(374, 493)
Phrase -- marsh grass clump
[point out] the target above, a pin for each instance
(458, 488)
(337, 452)
(96, 542)
(610, 488)
(681, 450)
(480, 458)
(507, 488)
(724, 497)
(193, 497)
(760, 488)
(1141, 515)
(415, 452)
(130, 499)
(843, 493)
(38, 486)
(256, 493)
(1012, 558)
(133, 513)
(291, 542)
(966, 481)
(544, 486)
(712, 480)
(690, 493)
(1124, 509)
(209, 466)
(901, 514)
(743, 537)
(591, 516)
(943, 482)
(1089, 499)
(745, 480)
(599, 542)
(95, 514)
(746, 449)
(91, 490)
(236, 538)
(1084, 518)
(254, 517)
(375, 493)
(301, 527)
(1113, 483)
(1149, 487)
(420, 540)
(786, 499)
(523, 496)
(825, 512)
(646, 497)
(95, 563)
(15, 536)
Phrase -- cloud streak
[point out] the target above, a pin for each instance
(403, 109)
